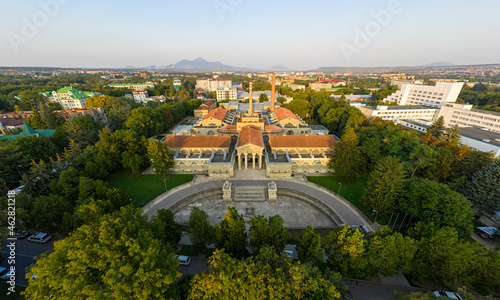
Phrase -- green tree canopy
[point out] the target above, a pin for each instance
(159, 156)
(429, 201)
(484, 188)
(269, 275)
(199, 228)
(146, 121)
(385, 184)
(309, 246)
(85, 265)
(230, 234)
(346, 158)
(268, 232)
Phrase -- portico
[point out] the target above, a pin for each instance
(250, 147)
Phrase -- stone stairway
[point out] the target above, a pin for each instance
(249, 194)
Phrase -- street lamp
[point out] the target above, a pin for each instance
(376, 214)
(340, 185)
(165, 182)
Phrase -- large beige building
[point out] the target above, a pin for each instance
(212, 84)
(395, 113)
(464, 115)
(227, 93)
(274, 140)
(428, 95)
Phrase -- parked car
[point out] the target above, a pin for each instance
(40, 237)
(20, 234)
(184, 260)
(451, 295)
(5, 273)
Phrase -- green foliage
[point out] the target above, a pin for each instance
(230, 234)
(199, 228)
(484, 188)
(429, 201)
(345, 250)
(36, 148)
(268, 232)
(84, 265)
(309, 246)
(471, 163)
(172, 232)
(385, 184)
(146, 121)
(436, 128)
(83, 131)
(160, 158)
(300, 107)
(346, 159)
(12, 159)
(269, 275)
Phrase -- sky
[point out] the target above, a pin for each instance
(300, 35)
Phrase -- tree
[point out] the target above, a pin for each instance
(83, 131)
(268, 275)
(36, 148)
(172, 231)
(159, 156)
(429, 201)
(300, 107)
(345, 250)
(309, 246)
(199, 228)
(133, 161)
(384, 185)
(436, 128)
(85, 264)
(268, 232)
(230, 234)
(471, 163)
(146, 121)
(263, 97)
(422, 156)
(346, 159)
(452, 135)
(484, 188)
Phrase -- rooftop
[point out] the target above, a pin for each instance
(199, 141)
(218, 113)
(284, 113)
(250, 135)
(302, 141)
(481, 135)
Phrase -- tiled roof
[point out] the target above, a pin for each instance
(218, 113)
(301, 141)
(199, 141)
(12, 122)
(250, 135)
(284, 113)
(269, 128)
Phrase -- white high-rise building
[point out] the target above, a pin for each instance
(464, 115)
(227, 93)
(427, 95)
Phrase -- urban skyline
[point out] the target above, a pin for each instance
(257, 35)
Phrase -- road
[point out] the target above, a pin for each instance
(346, 210)
(25, 254)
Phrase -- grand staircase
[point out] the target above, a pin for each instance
(249, 194)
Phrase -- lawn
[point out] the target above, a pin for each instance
(144, 188)
(352, 190)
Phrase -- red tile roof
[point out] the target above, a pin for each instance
(218, 113)
(269, 128)
(12, 122)
(199, 141)
(301, 141)
(250, 135)
(284, 113)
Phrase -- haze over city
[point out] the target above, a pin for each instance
(252, 34)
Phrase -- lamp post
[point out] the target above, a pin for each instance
(165, 182)
(340, 185)
(376, 214)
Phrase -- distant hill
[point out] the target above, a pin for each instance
(279, 68)
(203, 65)
(440, 64)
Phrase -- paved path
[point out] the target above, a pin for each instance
(341, 206)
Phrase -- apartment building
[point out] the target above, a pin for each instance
(395, 113)
(427, 95)
(140, 95)
(212, 84)
(464, 115)
(227, 93)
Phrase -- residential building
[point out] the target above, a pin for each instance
(29, 131)
(427, 95)
(204, 108)
(400, 82)
(133, 86)
(140, 95)
(212, 84)
(464, 115)
(256, 95)
(295, 87)
(177, 84)
(320, 85)
(7, 124)
(70, 98)
(237, 85)
(97, 113)
(418, 125)
(143, 74)
(481, 140)
(395, 113)
(227, 93)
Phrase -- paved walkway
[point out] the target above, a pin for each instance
(349, 213)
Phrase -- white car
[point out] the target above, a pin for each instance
(451, 295)
(184, 260)
(40, 237)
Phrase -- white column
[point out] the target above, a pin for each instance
(239, 161)
(260, 161)
(253, 161)
(246, 161)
